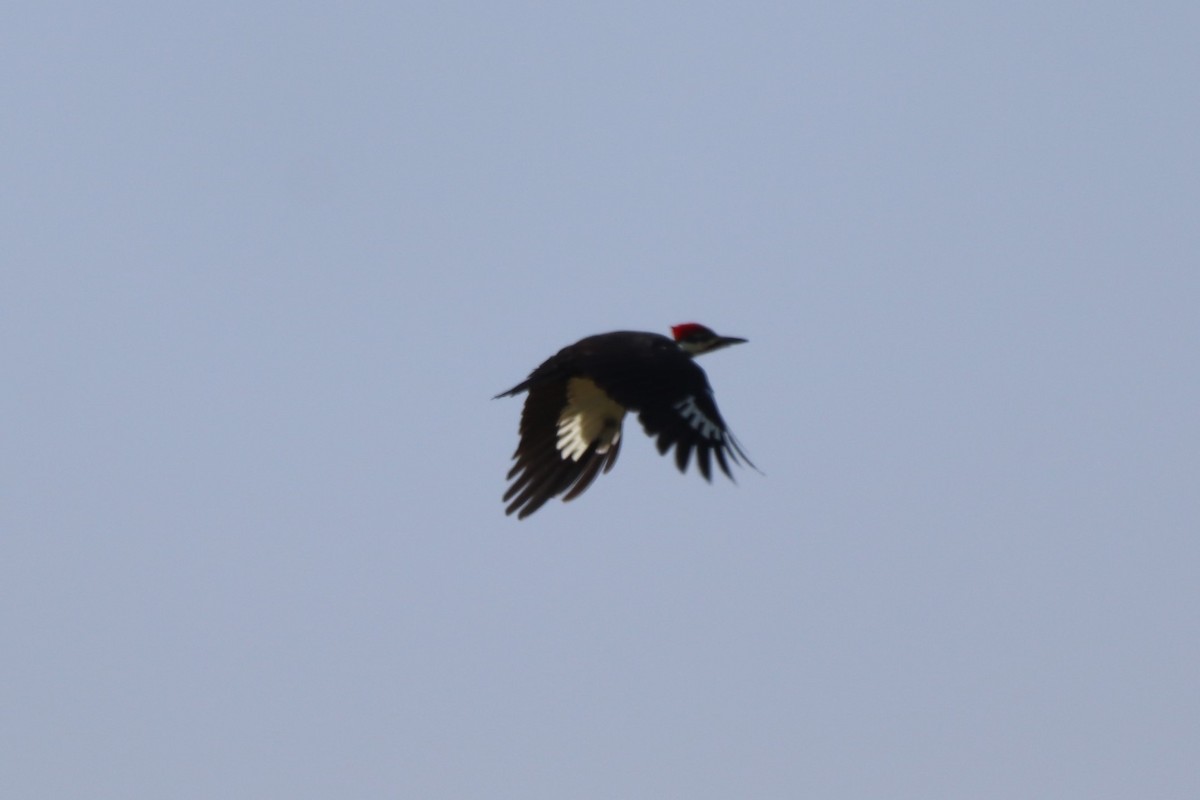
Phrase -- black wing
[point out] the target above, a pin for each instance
(693, 423)
(541, 471)
(675, 405)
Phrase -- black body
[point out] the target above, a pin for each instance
(642, 373)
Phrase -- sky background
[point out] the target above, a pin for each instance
(266, 263)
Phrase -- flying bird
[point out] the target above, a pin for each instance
(571, 424)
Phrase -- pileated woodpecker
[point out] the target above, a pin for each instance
(571, 424)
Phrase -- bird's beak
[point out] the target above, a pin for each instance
(725, 341)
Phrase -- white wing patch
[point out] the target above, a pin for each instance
(700, 423)
(590, 417)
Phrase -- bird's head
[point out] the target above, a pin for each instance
(696, 339)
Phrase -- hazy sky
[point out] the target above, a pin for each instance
(266, 263)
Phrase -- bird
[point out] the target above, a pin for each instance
(577, 399)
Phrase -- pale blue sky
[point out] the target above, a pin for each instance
(265, 263)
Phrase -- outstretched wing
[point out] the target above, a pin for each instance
(676, 407)
(692, 423)
(570, 431)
